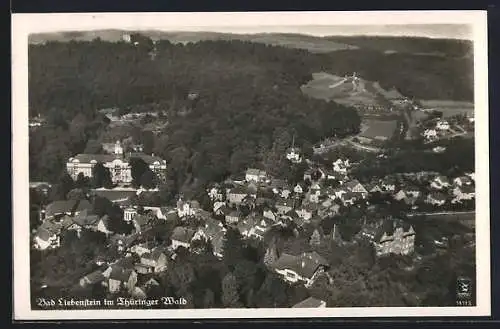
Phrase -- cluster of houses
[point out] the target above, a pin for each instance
(252, 205)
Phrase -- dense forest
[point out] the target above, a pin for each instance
(246, 108)
(229, 104)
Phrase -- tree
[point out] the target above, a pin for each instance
(315, 239)
(101, 176)
(93, 147)
(232, 247)
(62, 188)
(101, 206)
(82, 182)
(149, 179)
(148, 141)
(230, 297)
(138, 168)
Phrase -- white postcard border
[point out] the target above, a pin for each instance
(24, 24)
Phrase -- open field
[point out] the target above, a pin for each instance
(331, 87)
(449, 107)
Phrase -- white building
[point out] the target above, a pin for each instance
(293, 155)
(255, 175)
(117, 163)
(430, 133)
(443, 125)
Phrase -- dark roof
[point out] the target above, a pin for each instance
(83, 205)
(352, 184)
(85, 219)
(378, 128)
(309, 303)
(95, 277)
(120, 274)
(238, 190)
(86, 158)
(182, 234)
(60, 207)
(305, 264)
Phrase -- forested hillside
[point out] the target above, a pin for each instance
(230, 104)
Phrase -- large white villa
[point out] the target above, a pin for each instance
(117, 163)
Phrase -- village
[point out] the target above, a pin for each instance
(255, 205)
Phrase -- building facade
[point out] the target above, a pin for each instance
(118, 164)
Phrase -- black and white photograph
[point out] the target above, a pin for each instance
(227, 165)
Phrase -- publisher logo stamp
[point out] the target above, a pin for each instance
(464, 291)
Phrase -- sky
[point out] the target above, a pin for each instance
(453, 31)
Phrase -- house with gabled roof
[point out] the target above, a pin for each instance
(400, 195)
(388, 184)
(233, 217)
(103, 225)
(464, 192)
(302, 268)
(328, 208)
(412, 191)
(255, 175)
(355, 186)
(349, 198)
(463, 181)
(394, 237)
(182, 237)
(236, 195)
(215, 193)
(341, 165)
(92, 279)
(47, 236)
(156, 260)
(186, 208)
(270, 213)
(65, 207)
(85, 220)
(143, 223)
(122, 278)
(436, 198)
(284, 205)
(374, 187)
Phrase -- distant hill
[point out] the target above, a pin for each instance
(298, 41)
(409, 45)
(388, 45)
